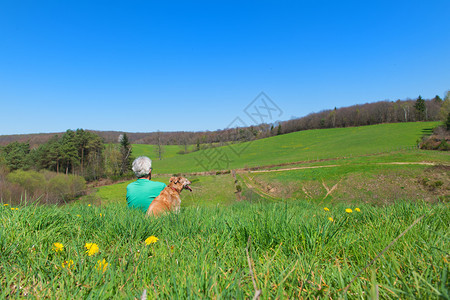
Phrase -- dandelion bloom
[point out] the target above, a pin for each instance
(326, 209)
(68, 264)
(89, 205)
(91, 248)
(101, 265)
(101, 215)
(6, 204)
(57, 247)
(349, 210)
(151, 240)
(331, 219)
(78, 215)
(357, 209)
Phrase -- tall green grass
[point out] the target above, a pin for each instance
(296, 251)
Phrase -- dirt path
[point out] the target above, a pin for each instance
(332, 166)
(409, 163)
(295, 168)
(256, 189)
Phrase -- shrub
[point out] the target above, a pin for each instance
(44, 186)
(59, 185)
(66, 187)
(30, 181)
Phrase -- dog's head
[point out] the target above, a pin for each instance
(181, 183)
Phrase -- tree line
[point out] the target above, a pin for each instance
(409, 110)
(78, 152)
(398, 111)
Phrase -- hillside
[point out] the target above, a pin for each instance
(298, 146)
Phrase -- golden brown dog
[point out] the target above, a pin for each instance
(169, 198)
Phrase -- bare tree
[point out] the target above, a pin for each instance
(159, 146)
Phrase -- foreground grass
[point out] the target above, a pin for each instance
(296, 251)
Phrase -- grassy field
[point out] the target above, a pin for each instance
(300, 146)
(150, 150)
(297, 249)
(303, 242)
(373, 179)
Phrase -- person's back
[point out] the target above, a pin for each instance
(141, 193)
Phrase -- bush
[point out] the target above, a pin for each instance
(44, 187)
(31, 181)
(66, 187)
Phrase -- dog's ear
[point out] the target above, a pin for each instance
(174, 180)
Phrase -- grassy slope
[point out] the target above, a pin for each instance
(300, 146)
(294, 147)
(150, 150)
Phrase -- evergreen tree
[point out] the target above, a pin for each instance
(437, 99)
(69, 151)
(17, 156)
(420, 108)
(125, 150)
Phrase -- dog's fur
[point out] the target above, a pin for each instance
(169, 198)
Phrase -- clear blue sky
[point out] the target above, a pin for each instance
(143, 66)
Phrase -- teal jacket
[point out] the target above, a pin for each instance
(141, 193)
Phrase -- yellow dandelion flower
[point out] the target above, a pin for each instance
(349, 210)
(89, 205)
(57, 247)
(6, 204)
(326, 209)
(331, 219)
(101, 265)
(68, 264)
(79, 216)
(101, 215)
(151, 240)
(91, 248)
(357, 209)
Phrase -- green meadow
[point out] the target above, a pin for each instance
(151, 150)
(299, 146)
(358, 213)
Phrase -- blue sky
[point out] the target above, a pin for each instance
(142, 66)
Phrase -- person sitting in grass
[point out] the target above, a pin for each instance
(142, 192)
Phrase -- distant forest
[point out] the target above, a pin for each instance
(409, 110)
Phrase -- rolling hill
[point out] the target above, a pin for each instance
(298, 146)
